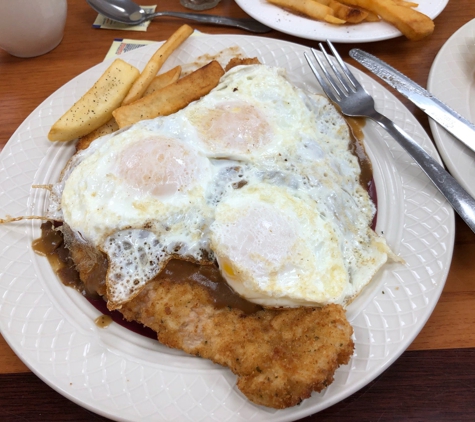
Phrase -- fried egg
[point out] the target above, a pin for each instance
(257, 175)
(139, 197)
(275, 248)
(253, 115)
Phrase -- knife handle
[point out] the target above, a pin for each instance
(458, 197)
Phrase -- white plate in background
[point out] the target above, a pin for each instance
(452, 80)
(301, 26)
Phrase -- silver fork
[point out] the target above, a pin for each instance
(346, 92)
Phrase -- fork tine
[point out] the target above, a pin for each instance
(343, 83)
(324, 70)
(343, 66)
(322, 81)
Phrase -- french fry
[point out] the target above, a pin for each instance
(310, 8)
(111, 126)
(95, 107)
(173, 97)
(400, 13)
(372, 17)
(347, 13)
(333, 19)
(156, 62)
(162, 80)
(413, 24)
(405, 3)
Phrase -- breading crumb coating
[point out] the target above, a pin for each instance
(279, 356)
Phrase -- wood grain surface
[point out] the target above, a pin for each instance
(434, 366)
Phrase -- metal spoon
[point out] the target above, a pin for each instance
(126, 11)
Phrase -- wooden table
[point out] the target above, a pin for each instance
(434, 379)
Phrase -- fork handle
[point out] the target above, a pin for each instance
(458, 197)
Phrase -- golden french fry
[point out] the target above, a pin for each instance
(310, 8)
(334, 20)
(108, 127)
(95, 107)
(173, 97)
(342, 13)
(405, 3)
(162, 80)
(156, 62)
(400, 13)
(413, 24)
(372, 17)
(349, 14)
(111, 126)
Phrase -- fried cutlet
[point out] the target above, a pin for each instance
(238, 61)
(279, 356)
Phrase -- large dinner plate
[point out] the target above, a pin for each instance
(301, 26)
(452, 80)
(125, 376)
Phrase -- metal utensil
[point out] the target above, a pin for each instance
(126, 11)
(345, 91)
(453, 122)
(199, 4)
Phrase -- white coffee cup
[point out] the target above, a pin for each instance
(29, 28)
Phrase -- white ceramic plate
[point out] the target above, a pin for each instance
(124, 376)
(300, 26)
(452, 80)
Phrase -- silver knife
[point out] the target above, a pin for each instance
(453, 122)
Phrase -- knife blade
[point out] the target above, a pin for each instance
(448, 118)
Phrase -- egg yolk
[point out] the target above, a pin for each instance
(233, 126)
(260, 239)
(159, 166)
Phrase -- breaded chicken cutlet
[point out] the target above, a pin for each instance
(279, 356)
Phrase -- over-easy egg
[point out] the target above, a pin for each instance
(275, 248)
(257, 174)
(140, 198)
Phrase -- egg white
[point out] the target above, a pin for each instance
(182, 185)
(276, 249)
(140, 198)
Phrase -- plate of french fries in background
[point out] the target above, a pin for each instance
(347, 20)
(123, 375)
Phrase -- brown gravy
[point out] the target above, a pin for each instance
(103, 321)
(209, 277)
(356, 125)
(51, 245)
